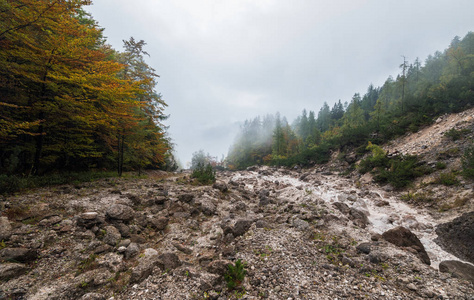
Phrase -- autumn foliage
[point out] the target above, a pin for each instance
(68, 101)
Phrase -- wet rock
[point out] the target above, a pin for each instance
(241, 227)
(170, 261)
(12, 270)
(221, 186)
(159, 222)
(132, 250)
(22, 255)
(120, 212)
(458, 269)
(402, 237)
(5, 229)
(457, 236)
(112, 235)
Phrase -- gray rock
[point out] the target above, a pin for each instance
(92, 215)
(123, 229)
(159, 222)
(5, 229)
(132, 250)
(208, 208)
(120, 212)
(112, 261)
(300, 224)
(112, 236)
(241, 227)
(342, 207)
(22, 255)
(92, 296)
(221, 186)
(11, 270)
(145, 266)
(358, 217)
(458, 269)
(170, 261)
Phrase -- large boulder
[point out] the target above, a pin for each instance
(403, 237)
(457, 236)
(120, 212)
(458, 269)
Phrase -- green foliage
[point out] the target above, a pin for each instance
(440, 165)
(235, 274)
(401, 171)
(377, 160)
(447, 178)
(468, 162)
(204, 174)
(455, 134)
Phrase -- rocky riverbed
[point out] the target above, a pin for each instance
(301, 234)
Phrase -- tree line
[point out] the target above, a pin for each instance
(443, 84)
(69, 101)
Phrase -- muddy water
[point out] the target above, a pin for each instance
(330, 189)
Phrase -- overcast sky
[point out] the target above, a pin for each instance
(223, 61)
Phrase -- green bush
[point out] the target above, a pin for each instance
(402, 171)
(235, 274)
(204, 174)
(456, 134)
(447, 179)
(468, 162)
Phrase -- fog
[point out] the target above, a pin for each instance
(222, 62)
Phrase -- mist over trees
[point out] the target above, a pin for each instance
(443, 84)
(70, 102)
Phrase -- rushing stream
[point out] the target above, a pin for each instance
(332, 189)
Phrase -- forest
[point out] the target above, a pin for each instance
(69, 101)
(444, 83)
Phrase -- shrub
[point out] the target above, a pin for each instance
(235, 274)
(204, 174)
(447, 179)
(402, 171)
(468, 162)
(456, 134)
